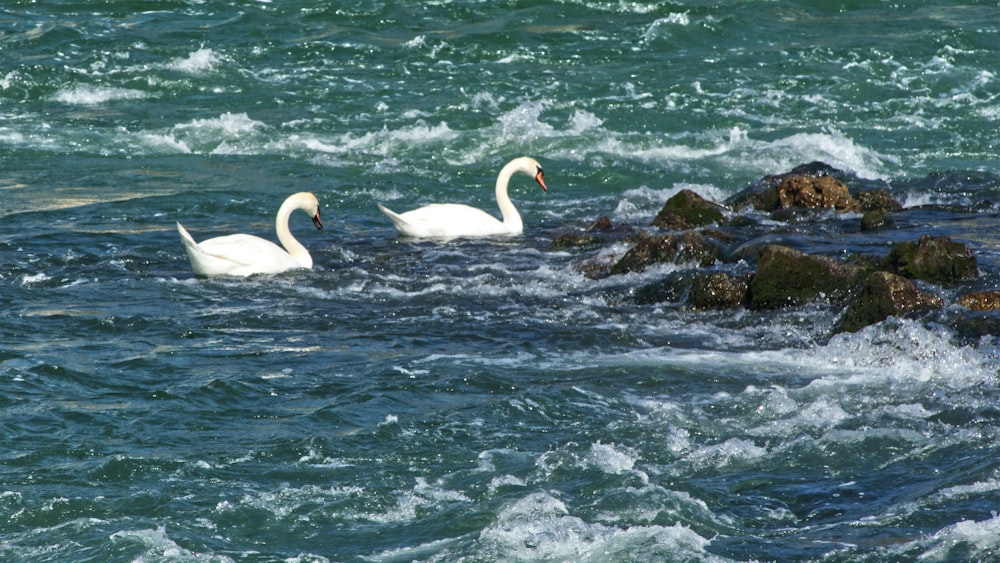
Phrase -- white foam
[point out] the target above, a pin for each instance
(90, 95)
(197, 62)
(967, 540)
(159, 546)
(610, 458)
(539, 527)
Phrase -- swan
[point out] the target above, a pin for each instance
(452, 220)
(243, 255)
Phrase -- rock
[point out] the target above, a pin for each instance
(599, 231)
(874, 219)
(719, 290)
(572, 240)
(878, 200)
(788, 277)
(688, 246)
(933, 259)
(884, 294)
(821, 192)
(687, 210)
(981, 301)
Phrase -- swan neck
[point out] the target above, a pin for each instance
(285, 237)
(511, 218)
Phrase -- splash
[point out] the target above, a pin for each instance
(90, 95)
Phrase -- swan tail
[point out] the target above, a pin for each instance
(393, 216)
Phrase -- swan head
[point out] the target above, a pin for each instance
(307, 202)
(530, 166)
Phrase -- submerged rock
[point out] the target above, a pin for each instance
(601, 230)
(688, 210)
(885, 294)
(788, 277)
(874, 219)
(933, 259)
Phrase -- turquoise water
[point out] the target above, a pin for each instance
(480, 400)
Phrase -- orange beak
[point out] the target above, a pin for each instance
(541, 182)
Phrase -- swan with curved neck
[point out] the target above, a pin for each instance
(243, 255)
(452, 220)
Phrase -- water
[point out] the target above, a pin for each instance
(480, 400)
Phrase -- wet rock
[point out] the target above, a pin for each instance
(762, 195)
(878, 200)
(981, 301)
(933, 259)
(688, 210)
(821, 192)
(874, 220)
(688, 246)
(786, 276)
(719, 290)
(601, 230)
(884, 294)
(573, 240)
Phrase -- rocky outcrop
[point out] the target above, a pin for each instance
(689, 246)
(867, 288)
(788, 277)
(884, 294)
(688, 210)
(933, 259)
(823, 192)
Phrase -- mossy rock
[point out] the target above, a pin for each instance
(885, 294)
(688, 210)
(874, 220)
(786, 276)
(934, 259)
(688, 246)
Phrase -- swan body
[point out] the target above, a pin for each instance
(244, 255)
(452, 220)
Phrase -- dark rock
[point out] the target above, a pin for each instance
(821, 192)
(719, 290)
(687, 210)
(788, 277)
(874, 219)
(884, 294)
(878, 200)
(688, 246)
(981, 301)
(601, 230)
(763, 196)
(572, 240)
(933, 259)
(601, 225)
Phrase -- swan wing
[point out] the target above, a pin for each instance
(447, 220)
(236, 255)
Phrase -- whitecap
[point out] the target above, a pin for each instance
(90, 95)
(197, 62)
(611, 459)
(967, 540)
(540, 527)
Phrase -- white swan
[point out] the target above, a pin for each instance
(243, 255)
(452, 220)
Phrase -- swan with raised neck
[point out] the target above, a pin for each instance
(452, 220)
